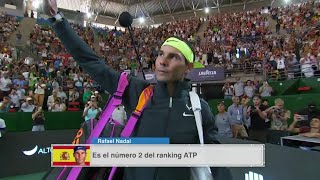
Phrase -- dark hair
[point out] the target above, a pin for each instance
(265, 100)
(220, 102)
(244, 97)
(257, 96)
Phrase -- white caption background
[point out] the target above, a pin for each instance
(214, 155)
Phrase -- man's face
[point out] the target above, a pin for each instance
(235, 100)
(256, 101)
(221, 107)
(5, 99)
(315, 123)
(265, 103)
(279, 104)
(80, 156)
(170, 65)
(245, 101)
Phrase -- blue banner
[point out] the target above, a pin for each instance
(130, 141)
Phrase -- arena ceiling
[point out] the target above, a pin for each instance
(144, 8)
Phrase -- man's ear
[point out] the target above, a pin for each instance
(189, 67)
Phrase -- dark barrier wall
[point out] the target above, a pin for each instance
(30, 152)
(281, 163)
(290, 87)
(21, 121)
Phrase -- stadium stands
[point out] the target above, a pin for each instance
(239, 42)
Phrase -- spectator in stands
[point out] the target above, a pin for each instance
(281, 65)
(38, 119)
(54, 84)
(222, 121)
(78, 82)
(86, 95)
(5, 85)
(236, 117)
(265, 90)
(91, 110)
(20, 81)
(58, 106)
(292, 66)
(61, 94)
(246, 111)
(249, 90)
(306, 66)
(258, 127)
(227, 90)
(279, 115)
(15, 99)
(73, 95)
(313, 130)
(98, 96)
(28, 106)
(238, 87)
(39, 93)
(20, 91)
(311, 112)
(5, 104)
(52, 98)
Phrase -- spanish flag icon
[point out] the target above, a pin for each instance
(70, 155)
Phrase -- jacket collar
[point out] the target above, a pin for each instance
(181, 89)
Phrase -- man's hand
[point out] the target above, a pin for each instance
(50, 7)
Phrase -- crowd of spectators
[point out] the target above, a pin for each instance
(296, 16)
(253, 118)
(234, 40)
(50, 79)
(118, 51)
(247, 89)
(8, 24)
(244, 42)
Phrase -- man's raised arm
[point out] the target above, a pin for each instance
(86, 57)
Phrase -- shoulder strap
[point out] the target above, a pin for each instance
(104, 118)
(115, 101)
(196, 107)
(144, 98)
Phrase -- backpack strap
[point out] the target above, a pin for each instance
(104, 118)
(114, 102)
(144, 98)
(196, 107)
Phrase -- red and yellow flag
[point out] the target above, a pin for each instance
(64, 155)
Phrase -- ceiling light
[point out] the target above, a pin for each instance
(206, 10)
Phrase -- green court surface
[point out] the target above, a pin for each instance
(34, 176)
